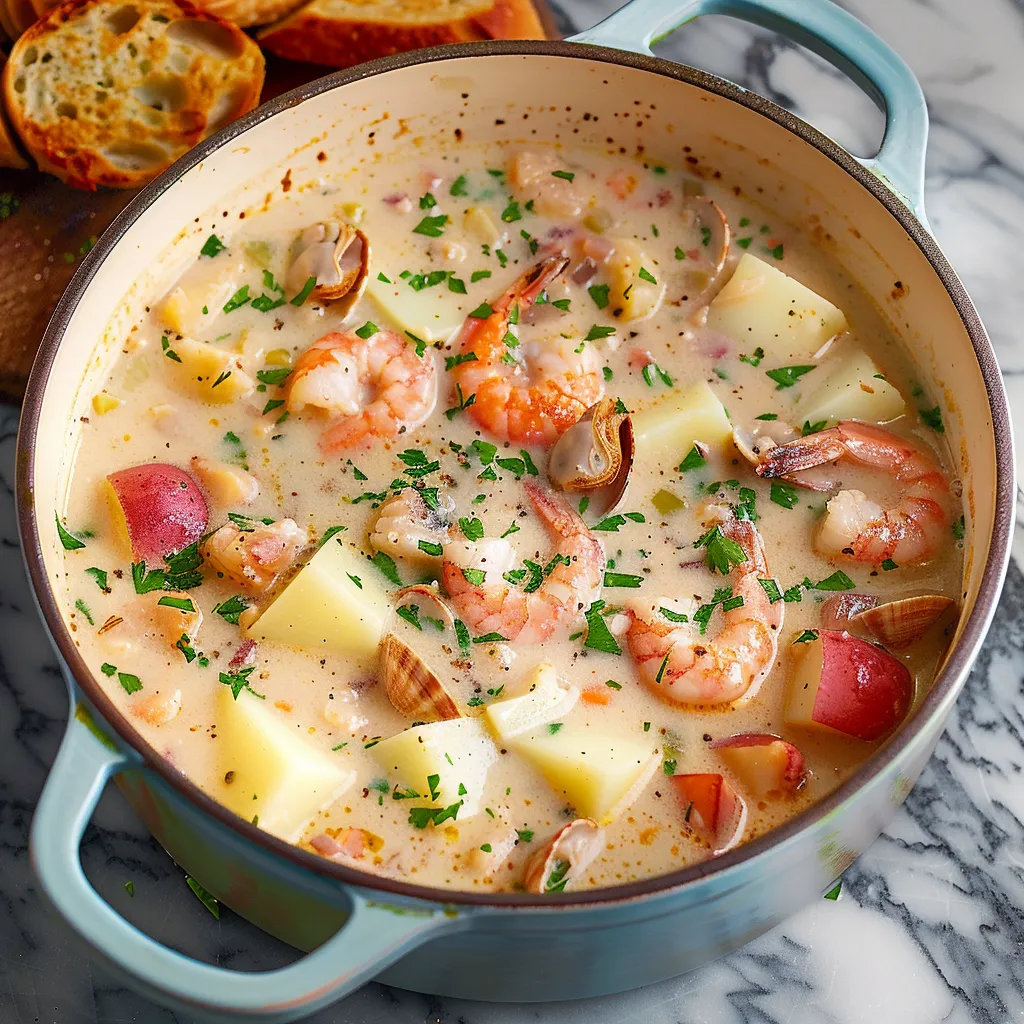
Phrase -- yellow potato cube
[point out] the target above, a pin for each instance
(458, 752)
(546, 700)
(207, 284)
(762, 306)
(207, 372)
(669, 427)
(333, 604)
(599, 774)
(851, 390)
(266, 769)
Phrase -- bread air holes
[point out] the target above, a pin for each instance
(123, 19)
(29, 57)
(162, 92)
(209, 36)
(136, 156)
(68, 110)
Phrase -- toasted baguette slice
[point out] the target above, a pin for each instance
(340, 33)
(10, 151)
(249, 12)
(104, 92)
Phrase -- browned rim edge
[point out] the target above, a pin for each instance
(935, 705)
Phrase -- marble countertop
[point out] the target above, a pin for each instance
(930, 923)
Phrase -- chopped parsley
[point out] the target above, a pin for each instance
(721, 552)
(694, 460)
(386, 565)
(131, 683)
(933, 418)
(599, 293)
(787, 376)
(69, 542)
(784, 494)
(432, 227)
(806, 636)
(231, 609)
(599, 636)
(212, 246)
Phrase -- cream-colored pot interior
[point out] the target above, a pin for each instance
(524, 98)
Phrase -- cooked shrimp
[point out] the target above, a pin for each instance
(530, 398)
(531, 175)
(910, 531)
(494, 605)
(405, 522)
(682, 667)
(144, 618)
(377, 386)
(254, 558)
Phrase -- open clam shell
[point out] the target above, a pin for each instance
(898, 624)
(595, 455)
(413, 688)
(706, 277)
(558, 864)
(338, 256)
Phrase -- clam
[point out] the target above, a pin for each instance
(414, 689)
(428, 592)
(839, 610)
(338, 256)
(899, 623)
(595, 455)
(558, 864)
(705, 276)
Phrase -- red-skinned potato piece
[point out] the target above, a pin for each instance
(848, 685)
(158, 508)
(712, 808)
(765, 764)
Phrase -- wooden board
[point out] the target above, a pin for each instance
(42, 242)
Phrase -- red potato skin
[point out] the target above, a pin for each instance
(791, 767)
(163, 507)
(714, 808)
(864, 691)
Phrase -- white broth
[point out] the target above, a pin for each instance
(229, 582)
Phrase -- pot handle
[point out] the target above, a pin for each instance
(371, 939)
(830, 32)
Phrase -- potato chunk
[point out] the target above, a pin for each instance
(599, 774)
(546, 700)
(457, 752)
(333, 604)
(669, 427)
(267, 770)
(762, 306)
(207, 372)
(431, 313)
(199, 294)
(853, 389)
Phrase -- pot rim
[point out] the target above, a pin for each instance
(935, 705)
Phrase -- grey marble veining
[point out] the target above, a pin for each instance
(930, 926)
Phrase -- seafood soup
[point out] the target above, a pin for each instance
(512, 518)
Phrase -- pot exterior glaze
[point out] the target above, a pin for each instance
(502, 946)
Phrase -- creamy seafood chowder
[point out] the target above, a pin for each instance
(513, 519)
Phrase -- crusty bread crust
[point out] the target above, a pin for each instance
(16, 16)
(173, 74)
(249, 12)
(340, 33)
(10, 151)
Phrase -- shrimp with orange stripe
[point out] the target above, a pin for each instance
(371, 388)
(529, 391)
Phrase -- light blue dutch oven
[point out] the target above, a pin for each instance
(601, 88)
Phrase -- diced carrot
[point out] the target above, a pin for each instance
(622, 183)
(595, 696)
